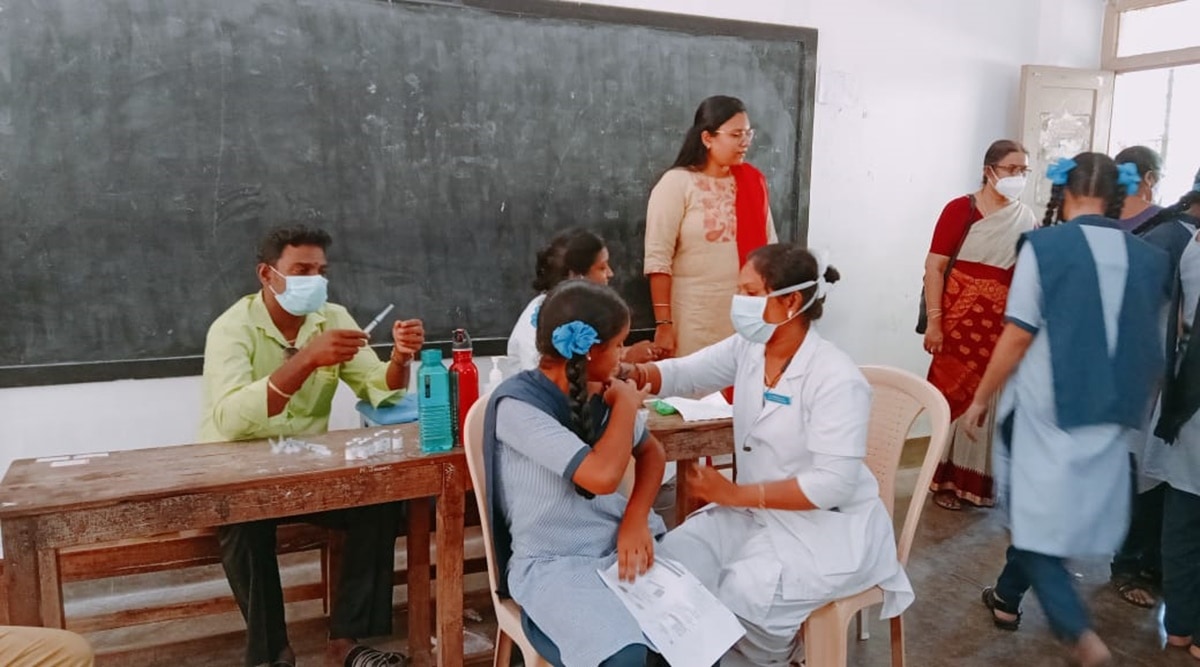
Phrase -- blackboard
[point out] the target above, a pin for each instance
(146, 145)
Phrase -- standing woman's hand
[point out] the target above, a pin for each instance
(934, 338)
(639, 353)
(664, 340)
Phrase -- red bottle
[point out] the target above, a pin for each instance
(465, 375)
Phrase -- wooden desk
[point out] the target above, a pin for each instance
(685, 443)
(145, 492)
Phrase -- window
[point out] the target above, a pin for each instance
(1161, 28)
(1158, 108)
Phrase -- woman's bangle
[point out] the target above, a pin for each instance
(762, 496)
(277, 390)
(659, 323)
(399, 358)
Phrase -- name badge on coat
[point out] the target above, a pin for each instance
(777, 398)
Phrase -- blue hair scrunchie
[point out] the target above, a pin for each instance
(1128, 176)
(1058, 170)
(574, 338)
(537, 310)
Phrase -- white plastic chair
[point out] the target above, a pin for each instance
(899, 397)
(508, 613)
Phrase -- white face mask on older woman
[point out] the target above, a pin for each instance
(1010, 186)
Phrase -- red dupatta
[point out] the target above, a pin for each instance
(751, 208)
(750, 204)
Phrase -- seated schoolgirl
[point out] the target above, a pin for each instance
(557, 441)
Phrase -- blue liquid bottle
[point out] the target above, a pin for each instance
(433, 404)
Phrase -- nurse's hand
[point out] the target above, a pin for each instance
(710, 486)
(635, 548)
(974, 418)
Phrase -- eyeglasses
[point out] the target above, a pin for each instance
(1012, 169)
(740, 136)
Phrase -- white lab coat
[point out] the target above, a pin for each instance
(522, 343)
(774, 567)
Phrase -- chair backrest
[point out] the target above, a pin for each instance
(899, 397)
(473, 444)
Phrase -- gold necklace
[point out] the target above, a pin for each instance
(771, 382)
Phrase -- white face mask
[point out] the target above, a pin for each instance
(1010, 186)
(302, 294)
(746, 312)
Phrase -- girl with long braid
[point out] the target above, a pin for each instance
(1085, 298)
(557, 441)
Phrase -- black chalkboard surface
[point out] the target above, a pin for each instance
(145, 145)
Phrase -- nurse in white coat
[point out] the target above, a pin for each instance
(804, 525)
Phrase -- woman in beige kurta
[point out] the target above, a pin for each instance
(692, 246)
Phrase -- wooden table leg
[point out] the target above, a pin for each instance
(52, 605)
(684, 503)
(420, 629)
(450, 509)
(21, 566)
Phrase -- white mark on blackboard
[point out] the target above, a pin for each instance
(220, 150)
(413, 80)
(372, 88)
(611, 215)
(502, 205)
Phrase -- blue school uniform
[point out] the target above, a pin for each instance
(1092, 296)
(550, 539)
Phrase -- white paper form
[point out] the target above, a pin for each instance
(686, 624)
(713, 406)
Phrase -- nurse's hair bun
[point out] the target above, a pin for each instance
(782, 265)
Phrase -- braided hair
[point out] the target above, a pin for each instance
(598, 306)
(1188, 200)
(1094, 175)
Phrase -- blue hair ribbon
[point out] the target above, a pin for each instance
(1058, 170)
(1128, 176)
(537, 310)
(574, 338)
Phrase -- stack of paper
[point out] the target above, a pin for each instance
(713, 406)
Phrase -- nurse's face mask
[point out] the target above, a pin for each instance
(747, 312)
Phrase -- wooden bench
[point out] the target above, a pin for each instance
(197, 548)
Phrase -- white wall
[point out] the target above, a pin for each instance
(911, 93)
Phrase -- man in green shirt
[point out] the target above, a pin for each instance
(272, 363)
